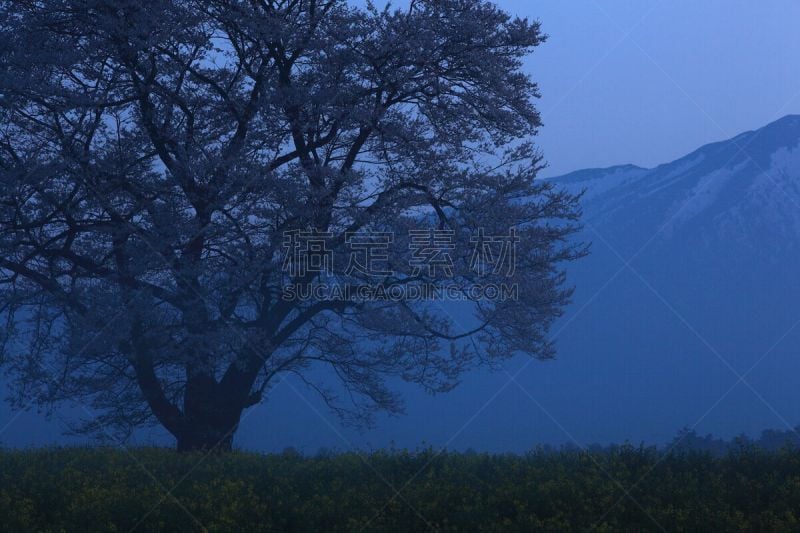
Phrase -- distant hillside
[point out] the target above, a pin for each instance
(710, 292)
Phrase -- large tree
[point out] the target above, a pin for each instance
(156, 156)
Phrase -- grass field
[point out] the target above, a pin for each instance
(620, 489)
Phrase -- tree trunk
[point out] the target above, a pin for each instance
(206, 438)
(210, 417)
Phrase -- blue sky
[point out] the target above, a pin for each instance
(646, 81)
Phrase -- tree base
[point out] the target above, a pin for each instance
(214, 442)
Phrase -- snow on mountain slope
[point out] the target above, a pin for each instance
(744, 190)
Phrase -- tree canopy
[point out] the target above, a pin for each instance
(158, 157)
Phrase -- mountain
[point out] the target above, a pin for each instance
(742, 191)
(693, 282)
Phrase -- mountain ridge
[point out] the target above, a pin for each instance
(777, 126)
(745, 189)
